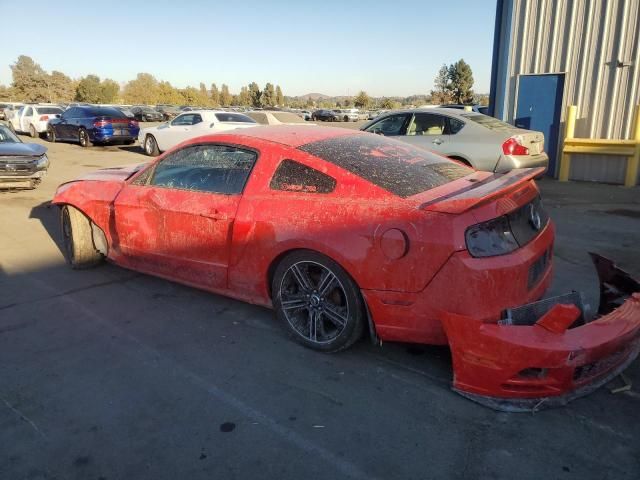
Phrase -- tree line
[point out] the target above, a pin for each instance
(31, 83)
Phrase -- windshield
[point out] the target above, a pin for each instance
(399, 168)
(50, 110)
(6, 136)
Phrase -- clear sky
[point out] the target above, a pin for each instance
(386, 48)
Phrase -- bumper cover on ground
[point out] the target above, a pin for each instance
(555, 357)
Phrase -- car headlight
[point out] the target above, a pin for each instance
(490, 238)
(42, 162)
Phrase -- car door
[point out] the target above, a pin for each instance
(430, 131)
(176, 131)
(25, 119)
(62, 128)
(178, 221)
(391, 125)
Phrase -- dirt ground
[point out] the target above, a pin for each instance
(110, 374)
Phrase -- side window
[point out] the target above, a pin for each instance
(29, 112)
(186, 119)
(197, 118)
(291, 176)
(206, 168)
(455, 125)
(391, 125)
(427, 124)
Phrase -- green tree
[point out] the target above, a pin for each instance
(441, 92)
(110, 90)
(204, 95)
(168, 94)
(142, 90)
(215, 95)
(29, 80)
(89, 89)
(5, 93)
(244, 98)
(461, 82)
(61, 87)
(387, 104)
(279, 96)
(225, 96)
(362, 100)
(191, 96)
(255, 95)
(269, 95)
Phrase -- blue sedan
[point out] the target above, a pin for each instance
(89, 125)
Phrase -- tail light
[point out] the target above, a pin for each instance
(513, 147)
(102, 122)
(490, 238)
(133, 123)
(44, 118)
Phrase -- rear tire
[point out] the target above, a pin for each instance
(51, 134)
(80, 252)
(83, 138)
(151, 146)
(318, 301)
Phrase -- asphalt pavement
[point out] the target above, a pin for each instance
(110, 374)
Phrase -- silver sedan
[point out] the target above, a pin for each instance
(480, 141)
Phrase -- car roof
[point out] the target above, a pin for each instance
(448, 111)
(295, 135)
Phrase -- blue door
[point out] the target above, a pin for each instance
(539, 107)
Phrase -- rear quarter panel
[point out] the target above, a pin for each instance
(346, 225)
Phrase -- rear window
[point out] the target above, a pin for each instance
(287, 117)
(234, 117)
(399, 168)
(488, 122)
(106, 112)
(50, 110)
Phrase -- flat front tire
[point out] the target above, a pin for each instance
(80, 251)
(318, 301)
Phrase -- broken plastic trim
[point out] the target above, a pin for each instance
(573, 355)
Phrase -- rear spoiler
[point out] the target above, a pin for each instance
(482, 191)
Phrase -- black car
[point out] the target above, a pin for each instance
(168, 111)
(22, 165)
(93, 125)
(325, 116)
(147, 114)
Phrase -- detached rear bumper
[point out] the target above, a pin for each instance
(552, 358)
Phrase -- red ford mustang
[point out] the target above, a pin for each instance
(343, 232)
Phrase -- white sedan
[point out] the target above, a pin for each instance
(33, 119)
(194, 123)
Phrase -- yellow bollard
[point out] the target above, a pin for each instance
(569, 131)
(633, 162)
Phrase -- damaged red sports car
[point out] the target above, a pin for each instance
(345, 232)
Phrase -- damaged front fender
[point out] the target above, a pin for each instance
(546, 353)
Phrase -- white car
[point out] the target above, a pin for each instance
(191, 124)
(34, 118)
(348, 114)
(277, 118)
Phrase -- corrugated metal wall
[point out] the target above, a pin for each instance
(586, 40)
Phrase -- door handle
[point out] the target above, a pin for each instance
(437, 141)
